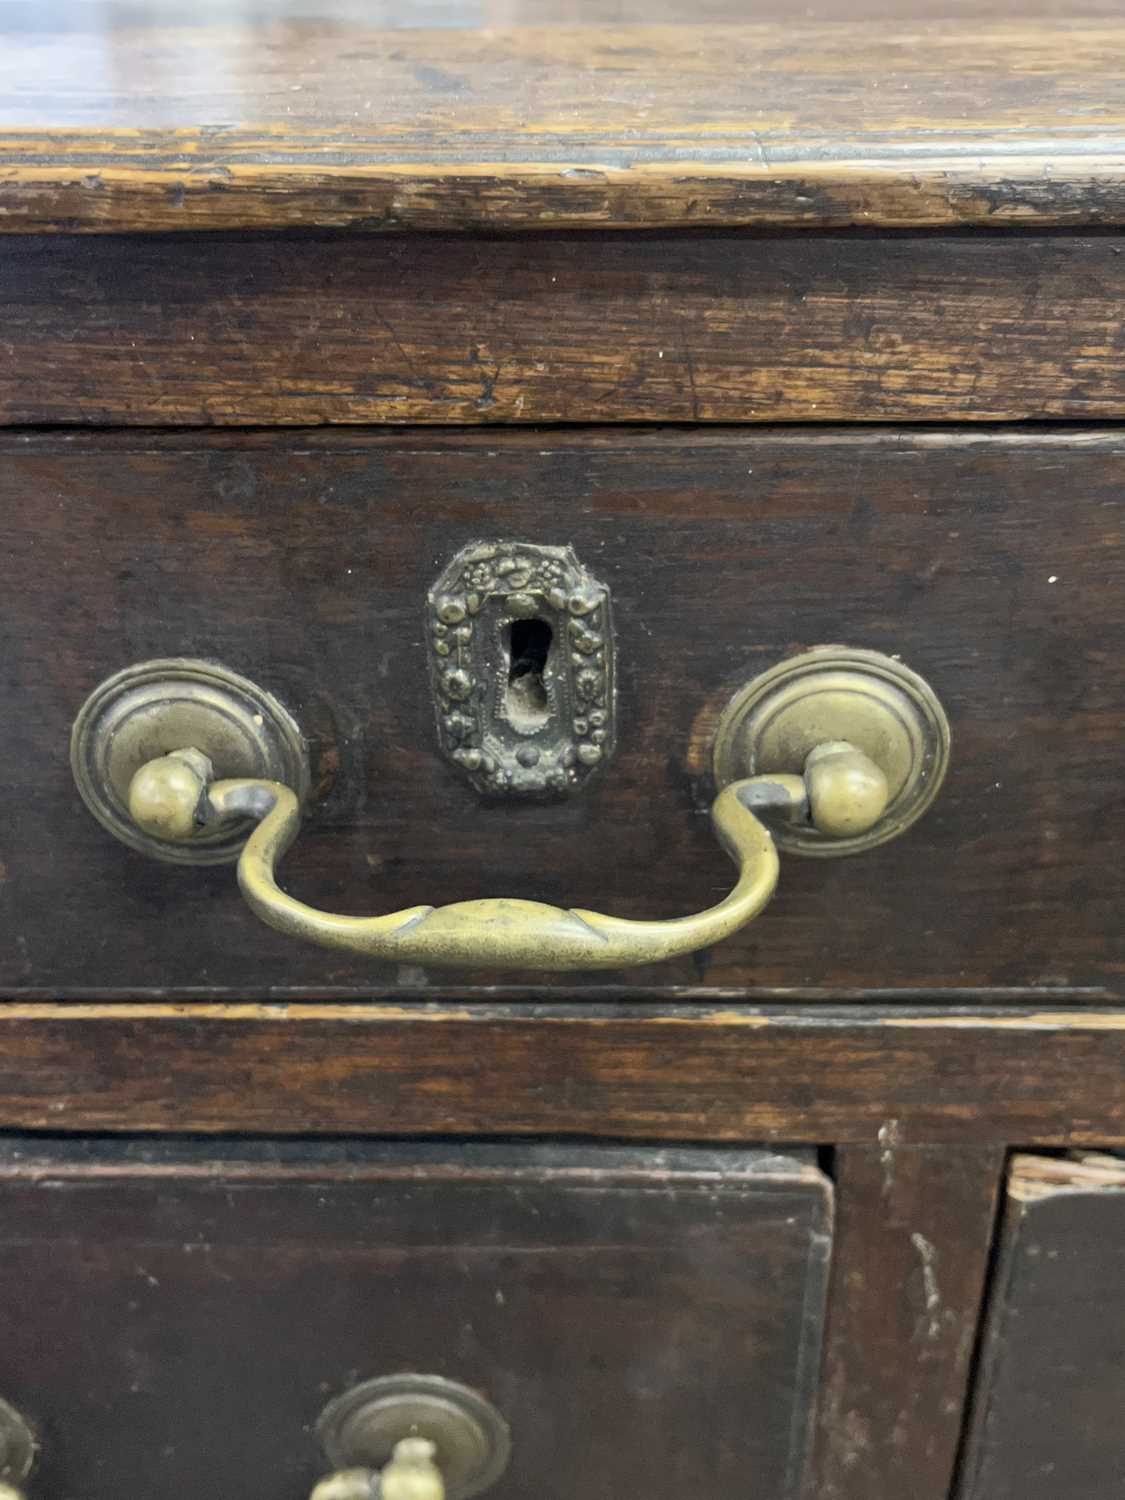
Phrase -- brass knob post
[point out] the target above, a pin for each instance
(166, 796)
(832, 752)
(848, 792)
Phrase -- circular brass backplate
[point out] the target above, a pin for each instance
(360, 1429)
(839, 693)
(17, 1445)
(155, 707)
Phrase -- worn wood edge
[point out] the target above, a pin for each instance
(982, 1386)
(176, 181)
(775, 1078)
(574, 1013)
(1033, 1178)
(587, 997)
(862, 1449)
(567, 437)
(822, 1213)
(49, 1167)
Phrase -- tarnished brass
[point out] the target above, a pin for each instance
(411, 1474)
(431, 1437)
(164, 795)
(789, 719)
(178, 704)
(848, 792)
(17, 1452)
(521, 650)
(499, 933)
(845, 758)
(346, 1484)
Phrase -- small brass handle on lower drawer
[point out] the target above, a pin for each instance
(412, 1474)
(842, 792)
(17, 1452)
(411, 1437)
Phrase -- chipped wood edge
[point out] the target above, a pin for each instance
(1034, 1178)
(170, 185)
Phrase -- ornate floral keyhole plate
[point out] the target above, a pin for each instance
(521, 654)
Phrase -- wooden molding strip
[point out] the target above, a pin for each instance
(96, 185)
(852, 1075)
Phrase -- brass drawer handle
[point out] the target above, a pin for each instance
(849, 748)
(411, 1474)
(411, 1437)
(174, 796)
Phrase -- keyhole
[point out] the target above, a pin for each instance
(525, 701)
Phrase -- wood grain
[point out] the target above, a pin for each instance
(531, 115)
(994, 565)
(854, 1076)
(637, 1317)
(914, 1235)
(1048, 1399)
(700, 327)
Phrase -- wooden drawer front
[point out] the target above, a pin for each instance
(993, 566)
(646, 1324)
(1047, 1408)
(687, 327)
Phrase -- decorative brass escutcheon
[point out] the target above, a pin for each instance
(411, 1437)
(831, 752)
(522, 665)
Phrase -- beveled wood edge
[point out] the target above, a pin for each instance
(129, 181)
(735, 1168)
(848, 1075)
(1096, 433)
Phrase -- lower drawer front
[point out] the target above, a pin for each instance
(992, 564)
(1047, 1408)
(176, 1319)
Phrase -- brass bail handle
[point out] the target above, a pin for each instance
(830, 752)
(411, 1474)
(842, 792)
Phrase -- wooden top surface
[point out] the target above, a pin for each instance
(383, 114)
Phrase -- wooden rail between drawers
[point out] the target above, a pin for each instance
(888, 1078)
(570, 327)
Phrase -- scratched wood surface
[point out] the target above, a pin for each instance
(857, 1075)
(913, 1240)
(704, 327)
(639, 1318)
(520, 113)
(993, 565)
(1047, 1402)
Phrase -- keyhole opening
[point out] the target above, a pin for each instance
(526, 705)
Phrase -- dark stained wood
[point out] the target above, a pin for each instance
(857, 1075)
(914, 1232)
(1048, 1400)
(641, 1319)
(704, 327)
(993, 564)
(458, 115)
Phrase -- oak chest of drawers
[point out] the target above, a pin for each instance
(510, 464)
